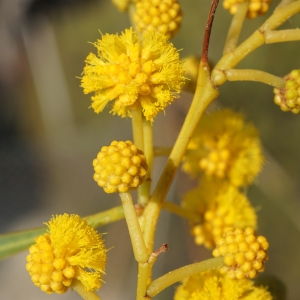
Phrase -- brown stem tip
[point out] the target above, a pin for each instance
(208, 27)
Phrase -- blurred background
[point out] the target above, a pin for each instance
(49, 137)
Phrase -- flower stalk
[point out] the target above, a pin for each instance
(86, 295)
(254, 75)
(136, 236)
(161, 283)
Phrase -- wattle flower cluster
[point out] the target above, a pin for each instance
(256, 7)
(130, 72)
(222, 206)
(288, 98)
(70, 250)
(224, 146)
(244, 253)
(159, 15)
(120, 167)
(212, 285)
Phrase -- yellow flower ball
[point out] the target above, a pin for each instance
(224, 146)
(159, 15)
(244, 253)
(71, 249)
(212, 285)
(256, 7)
(288, 98)
(221, 206)
(133, 72)
(120, 167)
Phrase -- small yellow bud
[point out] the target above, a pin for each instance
(244, 259)
(164, 16)
(288, 98)
(121, 166)
(256, 7)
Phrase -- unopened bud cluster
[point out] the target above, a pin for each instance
(288, 98)
(48, 272)
(120, 167)
(244, 253)
(256, 7)
(161, 15)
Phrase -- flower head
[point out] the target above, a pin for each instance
(222, 207)
(71, 249)
(120, 167)
(288, 98)
(133, 72)
(244, 253)
(224, 146)
(161, 15)
(256, 7)
(212, 285)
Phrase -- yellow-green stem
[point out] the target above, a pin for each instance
(143, 278)
(230, 60)
(144, 189)
(161, 283)
(137, 127)
(106, 217)
(181, 212)
(136, 236)
(204, 95)
(279, 36)
(236, 27)
(144, 270)
(79, 289)
(254, 75)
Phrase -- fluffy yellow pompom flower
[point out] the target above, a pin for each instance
(161, 15)
(212, 285)
(71, 249)
(133, 72)
(224, 146)
(256, 7)
(120, 167)
(288, 98)
(221, 207)
(244, 253)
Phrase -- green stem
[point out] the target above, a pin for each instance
(79, 289)
(161, 283)
(280, 36)
(136, 236)
(254, 75)
(137, 127)
(181, 212)
(236, 27)
(143, 277)
(230, 60)
(144, 189)
(204, 95)
(145, 271)
(106, 217)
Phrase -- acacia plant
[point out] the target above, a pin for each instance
(137, 74)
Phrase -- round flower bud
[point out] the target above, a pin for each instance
(256, 7)
(288, 98)
(161, 15)
(244, 253)
(120, 167)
